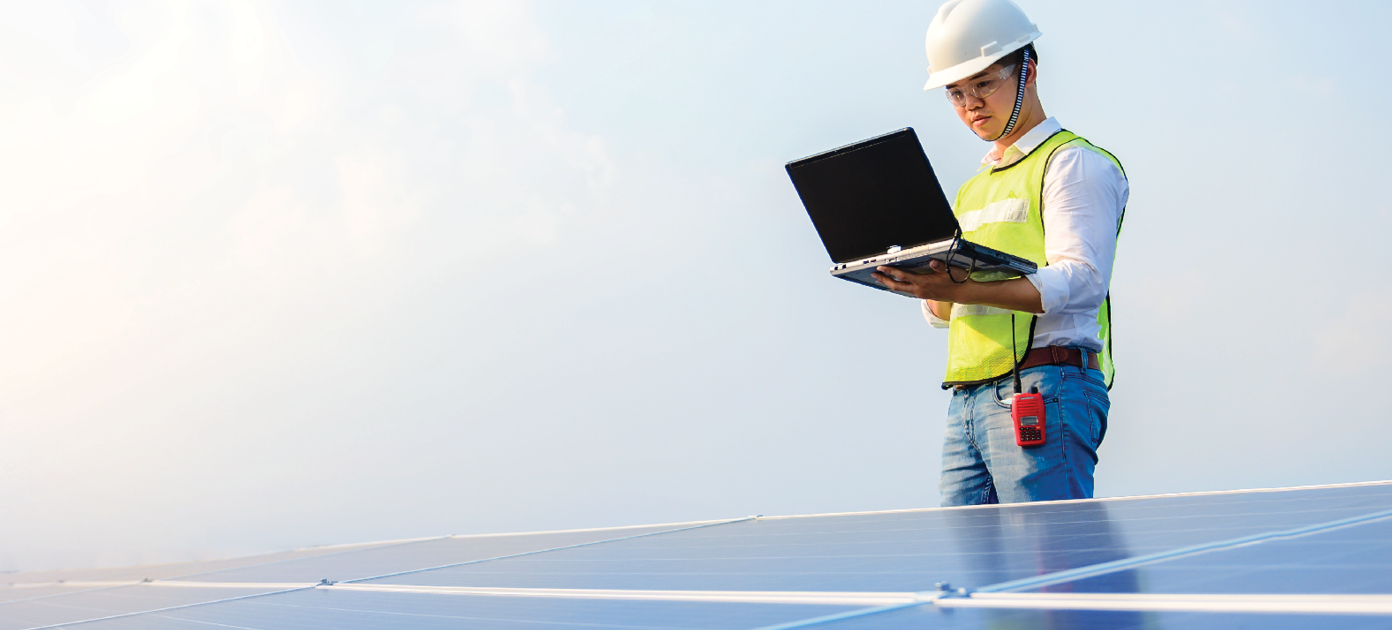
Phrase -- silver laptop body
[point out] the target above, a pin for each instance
(877, 202)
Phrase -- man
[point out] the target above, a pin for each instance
(1044, 194)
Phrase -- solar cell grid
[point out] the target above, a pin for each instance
(176, 570)
(895, 552)
(874, 554)
(24, 592)
(1348, 560)
(416, 555)
(929, 618)
(912, 551)
(1155, 524)
(104, 602)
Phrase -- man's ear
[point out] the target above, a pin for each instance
(1033, 74)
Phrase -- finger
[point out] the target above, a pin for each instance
(884, 275)
(935, 265)
(896, 273)
(892, 284)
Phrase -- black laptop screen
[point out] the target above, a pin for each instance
(872, 195)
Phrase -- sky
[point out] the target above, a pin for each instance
(279, 274)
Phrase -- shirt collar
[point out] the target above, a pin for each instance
(1026, 144)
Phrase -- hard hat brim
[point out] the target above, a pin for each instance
(958, 72)
(967, 68)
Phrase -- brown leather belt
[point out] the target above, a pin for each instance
(1058, 355)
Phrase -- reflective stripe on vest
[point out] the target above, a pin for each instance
(1001, 208)
(1010, 210)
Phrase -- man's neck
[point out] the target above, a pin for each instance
(1030, 116)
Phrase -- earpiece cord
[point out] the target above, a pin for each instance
(1010, 126)
(952, 249)
(1019, 97)
(1014, 352)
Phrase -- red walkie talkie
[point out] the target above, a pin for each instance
(1026, 410)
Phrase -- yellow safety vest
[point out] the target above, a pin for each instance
(1001, 208)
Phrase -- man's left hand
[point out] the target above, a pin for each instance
(930, 284)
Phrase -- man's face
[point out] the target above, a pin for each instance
(985, 115)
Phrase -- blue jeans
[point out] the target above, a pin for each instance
(981, 462)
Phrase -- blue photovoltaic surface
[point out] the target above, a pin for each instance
(20, 593)
(897, 552)
(348, 610)
(929, 618)
(416, 555)
(102, 602)
(912, 551)
(1355, 560)
(175, 571)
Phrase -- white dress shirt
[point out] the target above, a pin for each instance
(1084, 196)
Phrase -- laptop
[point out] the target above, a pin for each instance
(877, 202)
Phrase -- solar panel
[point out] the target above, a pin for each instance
(345, 610)
(1270, 559)
(35, 591)
(930, 618)
(1351, 560)
(911, 551)
(415, 555)
(169, 571)
(102, 602)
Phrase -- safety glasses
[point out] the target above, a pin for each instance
(980, 87)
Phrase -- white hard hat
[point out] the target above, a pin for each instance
(967, 36)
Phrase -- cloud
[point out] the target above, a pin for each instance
(221, 198)
(1350, 339)
(500, 37)
(376, 197)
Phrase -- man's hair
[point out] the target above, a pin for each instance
(1019, 55)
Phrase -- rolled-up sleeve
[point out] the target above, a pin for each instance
(933, 320)
(1084, 194)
